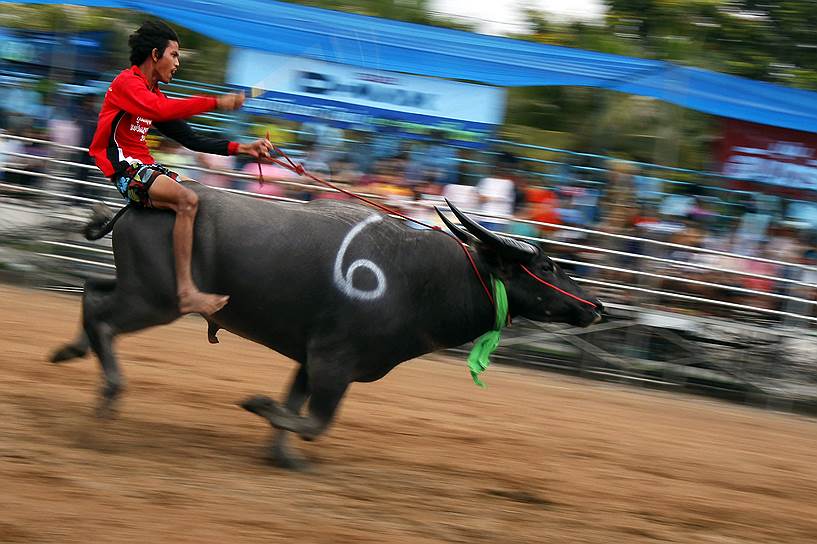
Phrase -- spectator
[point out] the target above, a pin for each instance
(172, 154)
(85, 115)
(224, 163)
(496, 194)
(271, 174)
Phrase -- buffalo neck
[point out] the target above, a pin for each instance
(465, 311)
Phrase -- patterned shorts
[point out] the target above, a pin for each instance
(134, 182)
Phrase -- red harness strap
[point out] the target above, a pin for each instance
(562, 291)
(301, 171)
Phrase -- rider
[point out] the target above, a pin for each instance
(134, 103)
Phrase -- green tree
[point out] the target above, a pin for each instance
(771, 41)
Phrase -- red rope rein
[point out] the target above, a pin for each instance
(299, 169)
(562, 291)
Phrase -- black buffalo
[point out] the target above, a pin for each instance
(345, 291)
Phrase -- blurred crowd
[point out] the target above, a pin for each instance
(558, 200)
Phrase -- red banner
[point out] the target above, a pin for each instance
(777, 156)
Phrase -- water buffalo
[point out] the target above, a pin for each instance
(347, 292)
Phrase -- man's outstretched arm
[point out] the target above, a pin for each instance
(131, 95)
(195, 140)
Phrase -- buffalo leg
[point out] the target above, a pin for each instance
(326, 389)
(278, 453)
(101, 336)
(78, 348)
(95, 289)
(107, 314)
(96, 312)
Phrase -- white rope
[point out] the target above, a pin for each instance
(686, 280)
(272, 197)
(666, 244)
(695, 299)
(230, 173)
(62, 289)
(46, 142)
(74, 259)
(583, 280)
(780, 329)
(666, 261)
(115, 205)
(473, 212)
(567, 261)
(51, 159)
(77, 246)
(242, 175)
(53, 193)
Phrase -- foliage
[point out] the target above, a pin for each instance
(770, 40)
(766, 40)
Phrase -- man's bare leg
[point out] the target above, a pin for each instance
(165, 193)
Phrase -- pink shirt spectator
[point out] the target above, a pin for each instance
(216, 162)
(271, 173)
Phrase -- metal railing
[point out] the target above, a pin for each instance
(106, 186)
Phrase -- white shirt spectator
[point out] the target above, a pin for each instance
(497, 196)
(465, 197)
(64, 132)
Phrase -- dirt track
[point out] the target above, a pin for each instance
(422, 456)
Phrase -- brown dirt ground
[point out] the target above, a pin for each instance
(422, 456)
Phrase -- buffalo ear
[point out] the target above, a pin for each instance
(463, 236)
(509, 248)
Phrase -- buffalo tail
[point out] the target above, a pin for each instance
(102, 221)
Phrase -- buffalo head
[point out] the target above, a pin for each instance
(537, 287)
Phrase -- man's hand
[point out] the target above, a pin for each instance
(230, 102)
(256, 149)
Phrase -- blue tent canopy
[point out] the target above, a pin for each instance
(384, 44)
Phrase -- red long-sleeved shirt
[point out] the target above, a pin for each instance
(128, 111)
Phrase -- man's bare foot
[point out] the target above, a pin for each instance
(196, 302)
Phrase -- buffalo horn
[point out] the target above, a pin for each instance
(463, 236)
(514, 249)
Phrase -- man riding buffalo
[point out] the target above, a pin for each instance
(133, 104)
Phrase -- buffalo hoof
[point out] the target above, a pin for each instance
(280, 417)
(286, 461)
(107, 408)
(265, 407)
(66, 353)
(309, 435)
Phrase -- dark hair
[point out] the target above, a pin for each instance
(151, 35)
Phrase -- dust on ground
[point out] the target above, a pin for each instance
(422, 456)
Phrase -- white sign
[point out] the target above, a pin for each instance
(778, 156)
(311, 82)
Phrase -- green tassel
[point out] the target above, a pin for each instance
(485, 345)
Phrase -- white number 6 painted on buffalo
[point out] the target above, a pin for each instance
(345, 282)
